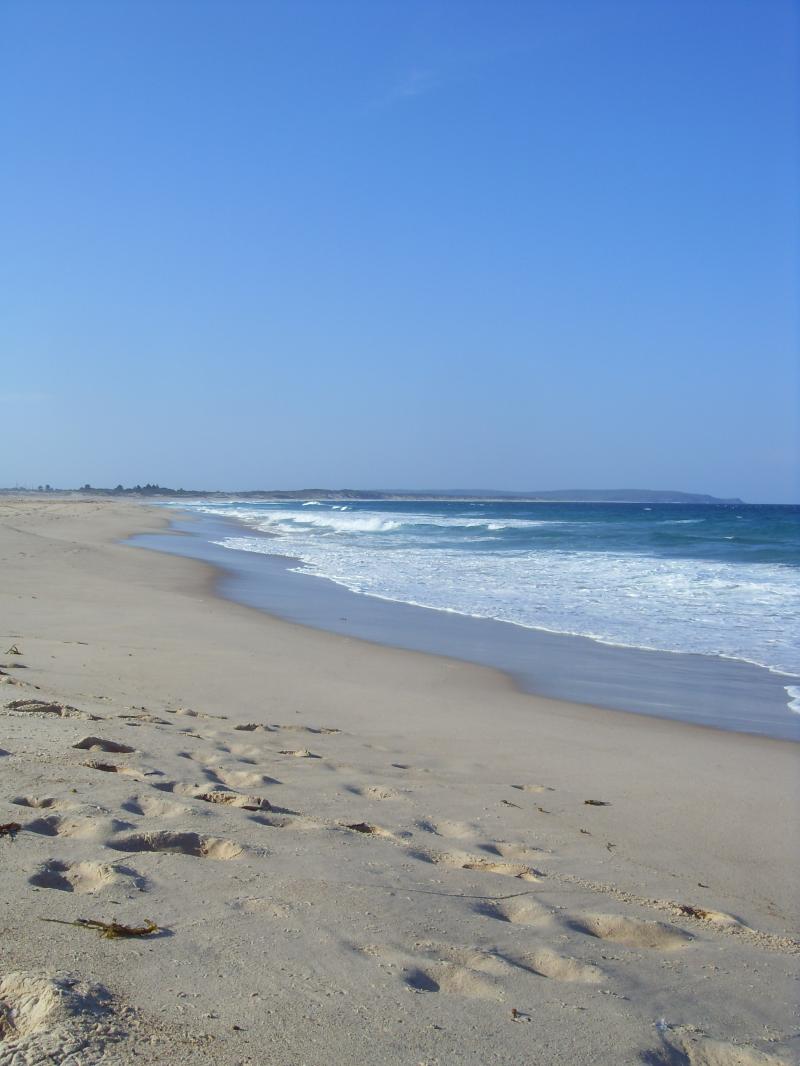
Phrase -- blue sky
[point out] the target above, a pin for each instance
(369, 243)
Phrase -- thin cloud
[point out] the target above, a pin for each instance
(415, 83)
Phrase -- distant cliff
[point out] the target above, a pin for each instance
(554, 496)
(628, 496)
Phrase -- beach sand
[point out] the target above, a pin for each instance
(356, 853)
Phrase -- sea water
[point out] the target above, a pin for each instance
(718, 580)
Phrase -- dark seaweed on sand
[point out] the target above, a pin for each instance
(111, 930)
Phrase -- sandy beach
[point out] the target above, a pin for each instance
(354, 853)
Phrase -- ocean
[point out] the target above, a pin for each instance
(718, 581)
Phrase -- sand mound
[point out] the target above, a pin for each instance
(49, 1019)
(632, 932)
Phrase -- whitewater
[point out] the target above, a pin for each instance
(711, 580)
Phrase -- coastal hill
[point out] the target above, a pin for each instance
(551, 496)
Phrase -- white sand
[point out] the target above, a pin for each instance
(480, 912)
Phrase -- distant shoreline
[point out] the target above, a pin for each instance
(599, 496)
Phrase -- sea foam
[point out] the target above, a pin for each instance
(545, 573)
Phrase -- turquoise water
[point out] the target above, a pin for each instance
(714, 580)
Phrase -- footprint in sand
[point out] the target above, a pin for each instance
(44, 1018)
(218, 794)
(283, 818)
(187, 712)
(262, 905)
(179, 788)
(278, 821)
(299, 753)
(248, 753)
(367, 829)
(316, 730)
(40, 803)
(631, 932)
(680, 1050)
(506, 850)
(544, 963)
(440, 968)
(476, 864)
(82, 877)
(238, 778)
(505, 869)
(375, 792)
(472, 958)
(204, 758)
(54, 825)
(721, 919)
(548, 963)
(179, 844)
(137, 719)
(112, 768)
(155, 807)
(235, 799)
(452, 979)
(447, 829)
(99, 744)
(59, 710)
(519, 910)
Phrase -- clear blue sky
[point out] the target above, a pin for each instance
(536, 244)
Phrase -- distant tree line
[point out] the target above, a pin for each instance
(138, 490)
(149, 489)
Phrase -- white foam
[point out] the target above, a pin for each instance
(283, 520)
(793, 692)
(357, 523)
(680, 521)
(741, 611)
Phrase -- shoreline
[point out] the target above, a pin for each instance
(407, 861)
(711, 691)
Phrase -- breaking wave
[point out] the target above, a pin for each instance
(605, 575)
